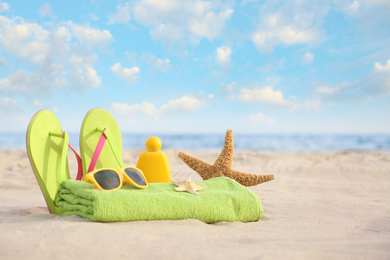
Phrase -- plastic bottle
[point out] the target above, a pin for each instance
(154, 163)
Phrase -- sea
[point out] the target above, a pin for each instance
(266, 142)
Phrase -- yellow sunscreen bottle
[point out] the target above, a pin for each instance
(154, 163)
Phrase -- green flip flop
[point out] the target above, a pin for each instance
(95, 122)
(47, 148)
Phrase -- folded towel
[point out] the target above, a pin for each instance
(223, 200)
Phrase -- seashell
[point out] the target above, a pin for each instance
(188, 186)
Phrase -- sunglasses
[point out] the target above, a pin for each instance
(107, 179)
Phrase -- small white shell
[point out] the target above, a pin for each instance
(187, 185)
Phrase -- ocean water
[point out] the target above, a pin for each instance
(269, 142)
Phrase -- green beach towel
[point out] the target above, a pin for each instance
(223, 200)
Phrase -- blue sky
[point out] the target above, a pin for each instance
(199, 66)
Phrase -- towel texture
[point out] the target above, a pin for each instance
(223, 200)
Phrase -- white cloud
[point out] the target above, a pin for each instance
(355, 5)
(130, 110)
(9, 107)
(52, 59)
(262, 119)
(4, 7)
(3, 61)
(122, 15)
(376, 84)
(289, 23)
(45, 10)
(176, 22)
(23, 40)
(93, 17)
(161, 65)
(265, 95)
(86, 34)
(128, 74)
(272, 80)
(230, 87)
(152, 12)
(82, 74)
(226, 90)
(37, 103)
(266, 40)
(382, 68)
(223, 55)
(185, 104)
(326, 90)
(168, 34)
(22, 83)
(269, 96)
(368, 16)
(379, 3)
(307, 58)
(248, 2)
(210, 25)
(4, 102)
(132, 57)
(361, 8)
(308, 105)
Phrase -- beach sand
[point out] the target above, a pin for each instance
(321, 205)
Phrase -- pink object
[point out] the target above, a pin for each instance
(79, 176)
(98, 150)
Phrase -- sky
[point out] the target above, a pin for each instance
(159, 66)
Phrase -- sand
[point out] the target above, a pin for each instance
(321, 205)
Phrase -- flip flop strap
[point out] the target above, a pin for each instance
(65, 145)
(106, 135)
(79, 176)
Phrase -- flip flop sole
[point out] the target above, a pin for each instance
(89, 137)
(44, 152)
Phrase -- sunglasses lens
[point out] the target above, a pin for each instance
(135, 176)
(107, 179)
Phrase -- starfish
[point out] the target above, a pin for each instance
(223, 166)
(188, 185)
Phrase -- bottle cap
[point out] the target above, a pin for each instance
(153, 143)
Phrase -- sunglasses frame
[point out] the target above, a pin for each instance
(89, 177)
